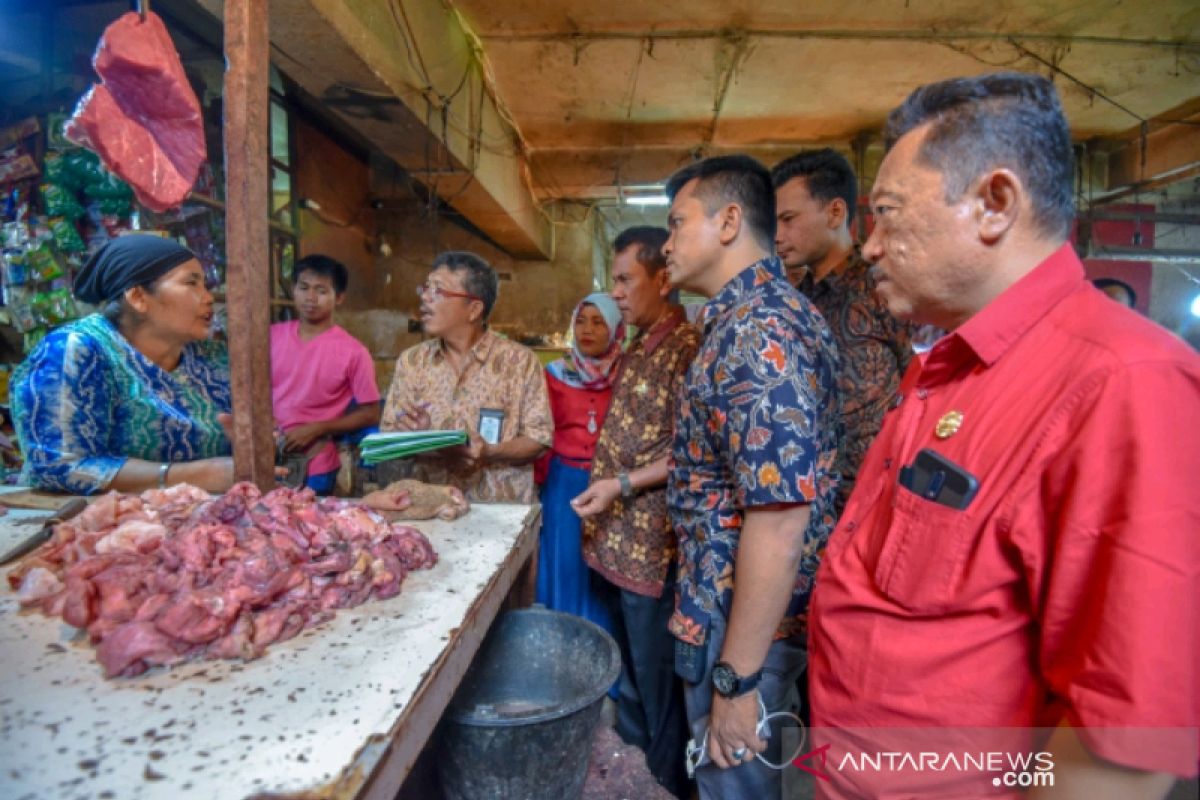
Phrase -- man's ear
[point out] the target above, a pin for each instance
(338, 299)
(997, 197)
(835, 213)
(730, 223)
(663, 279)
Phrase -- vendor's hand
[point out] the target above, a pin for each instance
(597, 498)
(731, 726)
(414, 418)
(301, 437)
(387, 500)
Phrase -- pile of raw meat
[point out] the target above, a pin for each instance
(177, 574)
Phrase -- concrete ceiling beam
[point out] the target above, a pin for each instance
(428, 110)
(1170, 148)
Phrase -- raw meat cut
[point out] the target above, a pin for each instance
(144, 120)
(176, 574)
(425, 501)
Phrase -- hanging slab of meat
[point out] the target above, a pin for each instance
(176, 574)
(144, 120)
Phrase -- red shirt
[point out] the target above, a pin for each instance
(1068, 590)
(578, 417)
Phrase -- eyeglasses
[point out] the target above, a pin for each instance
(437, 293)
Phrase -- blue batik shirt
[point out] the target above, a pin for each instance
(759, 423)
(85, 400)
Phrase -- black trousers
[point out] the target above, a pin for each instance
(650, 709)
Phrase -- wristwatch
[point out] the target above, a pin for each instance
(729, 684)
(626, 485)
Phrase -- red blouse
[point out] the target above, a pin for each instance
(578, 416)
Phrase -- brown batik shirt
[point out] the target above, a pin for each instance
(632, 544)
(874, 349)
(499, 375)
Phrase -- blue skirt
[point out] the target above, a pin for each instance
(564, 581)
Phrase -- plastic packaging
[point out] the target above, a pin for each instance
(59, 307)
(20, 307)
(66, 236)
(59, 201)
(15, 267)
(44, 263)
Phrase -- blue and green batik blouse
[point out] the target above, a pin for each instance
(85, 400)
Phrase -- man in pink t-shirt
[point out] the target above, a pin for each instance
(322, 378)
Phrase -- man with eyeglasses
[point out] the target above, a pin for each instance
(466, 377)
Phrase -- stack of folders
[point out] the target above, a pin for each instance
(386, 446)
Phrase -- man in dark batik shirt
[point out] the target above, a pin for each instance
(815, 196)
(753, 478)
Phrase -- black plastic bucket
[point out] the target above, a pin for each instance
(521, 725)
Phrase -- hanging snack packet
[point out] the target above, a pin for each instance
(40, 306)
(66, 236)
(20, 308)
(58, 173)
(44, 264)
(16, 268)
(60, 202)
(60, 307)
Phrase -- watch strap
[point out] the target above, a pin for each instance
(626, 485)
(742, 684)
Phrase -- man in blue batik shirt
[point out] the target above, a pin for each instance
(752, 486)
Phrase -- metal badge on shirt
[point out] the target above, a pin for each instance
(491, 422)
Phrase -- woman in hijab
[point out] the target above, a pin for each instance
(134, 397)
(580, 387)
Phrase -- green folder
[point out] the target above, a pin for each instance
(386, 446)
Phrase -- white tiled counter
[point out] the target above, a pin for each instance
(342, 710)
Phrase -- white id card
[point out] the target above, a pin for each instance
(491, 422)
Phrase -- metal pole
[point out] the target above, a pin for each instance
(246, 236)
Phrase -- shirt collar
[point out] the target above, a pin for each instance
(993, 330)
(848, 266)
(744, 283)
(653, 336)
(480, 350)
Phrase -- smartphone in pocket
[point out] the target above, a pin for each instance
(691, 661)
(936, 478)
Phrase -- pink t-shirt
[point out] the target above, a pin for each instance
(316, 380)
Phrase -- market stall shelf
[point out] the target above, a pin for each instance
(342, 710)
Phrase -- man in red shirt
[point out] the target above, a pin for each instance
(1022, 549)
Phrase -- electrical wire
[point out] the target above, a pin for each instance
(1092, 90)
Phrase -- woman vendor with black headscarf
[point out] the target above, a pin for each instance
(129, 399)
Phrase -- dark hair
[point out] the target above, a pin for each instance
(115, 310)
(328, 267)
(124, 317)
(1005, 119)
(827, 176)
(479, 278)
(649, 241)
(733, 179)
(1113, 283)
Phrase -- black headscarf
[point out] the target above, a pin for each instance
(126, 262)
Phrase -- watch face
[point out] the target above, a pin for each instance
(724, 679)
